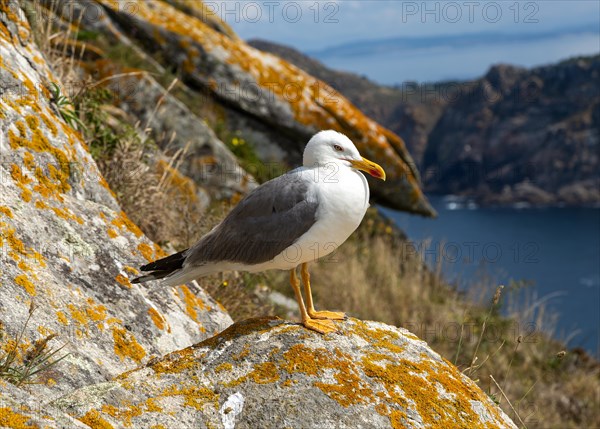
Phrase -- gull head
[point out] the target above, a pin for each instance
(332, 147)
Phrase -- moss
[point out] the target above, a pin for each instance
(126, 345)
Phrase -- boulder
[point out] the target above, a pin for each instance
(266, 373)
(271, 104)
(66, 246)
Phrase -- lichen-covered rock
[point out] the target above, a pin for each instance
(66, 245)
(267, 373)
(206, 159)
(18, 409)
(275, 105)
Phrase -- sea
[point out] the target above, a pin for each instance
(550, 256)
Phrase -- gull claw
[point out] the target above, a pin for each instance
(320, 326)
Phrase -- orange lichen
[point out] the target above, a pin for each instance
(59, 174)
(10, 419)
(123, 222)
(21, 180)
(348, 389)
(94, 420)
(175, 183)
(157, 318)
(125, 412)
(146, 251)
(66, 214)
(6, 212)
(16, 245)
(131, 270)
(176, 362)
(376, 336)
(122, 280)
(23, 266)
(62, 318)
(193, 396)
(126, 345)
(313, 102)
(26, 284)
(96, 312)
(264, 373)
(112, 233)
(417, 381)
(78, 315)
(193, 304)
(225, 366)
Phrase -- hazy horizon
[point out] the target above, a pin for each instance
(570, 28)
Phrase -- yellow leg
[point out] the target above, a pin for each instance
(321, 326)
(332, 315)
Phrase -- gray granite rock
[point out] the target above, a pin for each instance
(268, 373)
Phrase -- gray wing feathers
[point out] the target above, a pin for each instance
(266, 222)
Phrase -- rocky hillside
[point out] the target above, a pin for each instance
(522, 135)
(515, 135)
(270, 105)
(80, 346)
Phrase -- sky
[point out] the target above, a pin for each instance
(314, 26)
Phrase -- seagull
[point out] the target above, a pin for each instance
(287, 222)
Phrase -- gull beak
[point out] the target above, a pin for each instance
(370, 167)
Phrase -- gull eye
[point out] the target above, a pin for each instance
(338, 148)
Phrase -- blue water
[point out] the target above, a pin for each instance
(557, 249)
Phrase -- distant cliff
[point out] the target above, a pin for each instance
(520, 135)
(515, 135)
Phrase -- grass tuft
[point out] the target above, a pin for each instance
(22, 363)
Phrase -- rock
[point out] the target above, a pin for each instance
(535, 131)
(207, 161)
(409, 110)
(18, 409)
(66, 245)
(271, 373)
(272, 104)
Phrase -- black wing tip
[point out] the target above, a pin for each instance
(168, 263)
